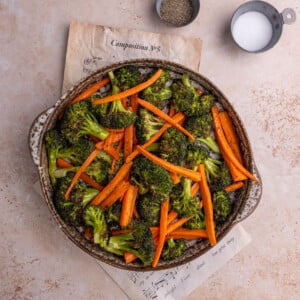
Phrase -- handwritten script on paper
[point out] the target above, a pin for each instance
(91, 47)
(179, 282)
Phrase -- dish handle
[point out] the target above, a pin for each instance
(253, 199)
(35, 135)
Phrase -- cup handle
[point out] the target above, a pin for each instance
(35, 134)
(288, 16)
(253, 199)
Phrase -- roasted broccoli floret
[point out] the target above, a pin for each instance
(173, 146)
(147, 125)
(197, 221)
(186, 99)
(71, 210)
(150, 177)
(78, 121)
(128, 76)
(113, 213)
(99, 168)
(201, 128)
(117, 115)
(224, 179)
(149, 209)
(139, 241)
(158, 94)
(173, 249)
(222, 206)
(57, 147)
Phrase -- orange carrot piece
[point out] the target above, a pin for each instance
(91, 90)
(86, 178)
(133, 103)
(87, 233)
(83, 167)
(128, 205)
(172, 216)
(227, 151)
(129, 257)
(162, 231)
(118, 193)
(158, 112)
(230, 134)
(117, 154)
(121, 231)
(195, 188)
(177, 118)
(208, 207)
(172, 111)
(177, 224)
(187, 234)
(131, 91)
(121, 174)
(199, 91)
(195, 176)
(233, 187)
(175, 178)
(128, 140)
(135, 213)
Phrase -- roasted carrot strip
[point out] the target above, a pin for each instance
(91, 90)
(208, 207)
(227, 151)
(230, 134)
(128, 205)
(177, 224)
(118, 193)
(172, 216)
(165, 117)
(162, 231)
(86, 178)
(83, 167)
(175, 178)
(195, 176)
(129, 257)
(233, 187)
(121, 231)
(195, 188)
(187, 234)
(131, 91)
(133, 103)
(112, 184)
(128, 140)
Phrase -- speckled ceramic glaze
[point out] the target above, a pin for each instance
(246, 199)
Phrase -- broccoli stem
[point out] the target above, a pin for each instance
(89, 195)
(91, 127)
(210, 143)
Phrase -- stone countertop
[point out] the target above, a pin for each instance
(36, 260)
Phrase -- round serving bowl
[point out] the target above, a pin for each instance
(246, 199)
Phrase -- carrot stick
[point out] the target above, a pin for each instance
(128, 205)
(208, 207)
(195, 188)
(177, 118)
(162, 231)
(128, 140)
(82, 168)
(187, 234)
(177, 224)
(172, 216)
(87, 233)
(199, 91)
(195, 176)
(86, 178)
(230, 134)
(133, 102)
(129, 257)
(131, 91)
(91, 90)
(233, 187)
(118, 193)
(175, 178)
(135, 213)
(121, 231)
(225, 147)
(112, 184)
(165, 117)
(172, 111)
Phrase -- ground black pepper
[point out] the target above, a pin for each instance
(176, 12)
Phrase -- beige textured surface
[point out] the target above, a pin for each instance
(36, 260)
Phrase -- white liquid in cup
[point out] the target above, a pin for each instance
(252, 31)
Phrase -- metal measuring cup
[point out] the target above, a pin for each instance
(287, 16)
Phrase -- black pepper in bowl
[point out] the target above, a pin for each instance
(178, 12)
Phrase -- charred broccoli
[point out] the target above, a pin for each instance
(173, 249)
(117, 115)
(147, 125)
(150, 177)
(78, 121)
(139, 241)
(173, 146)
(201, 128)
(128, 76)
(222, 206)
(224, 179)
(158, 94)
(197, 221)
(186, 99)
(57, 147)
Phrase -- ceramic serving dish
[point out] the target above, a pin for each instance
(246, 199)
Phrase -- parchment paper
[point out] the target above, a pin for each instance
(91, 47)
